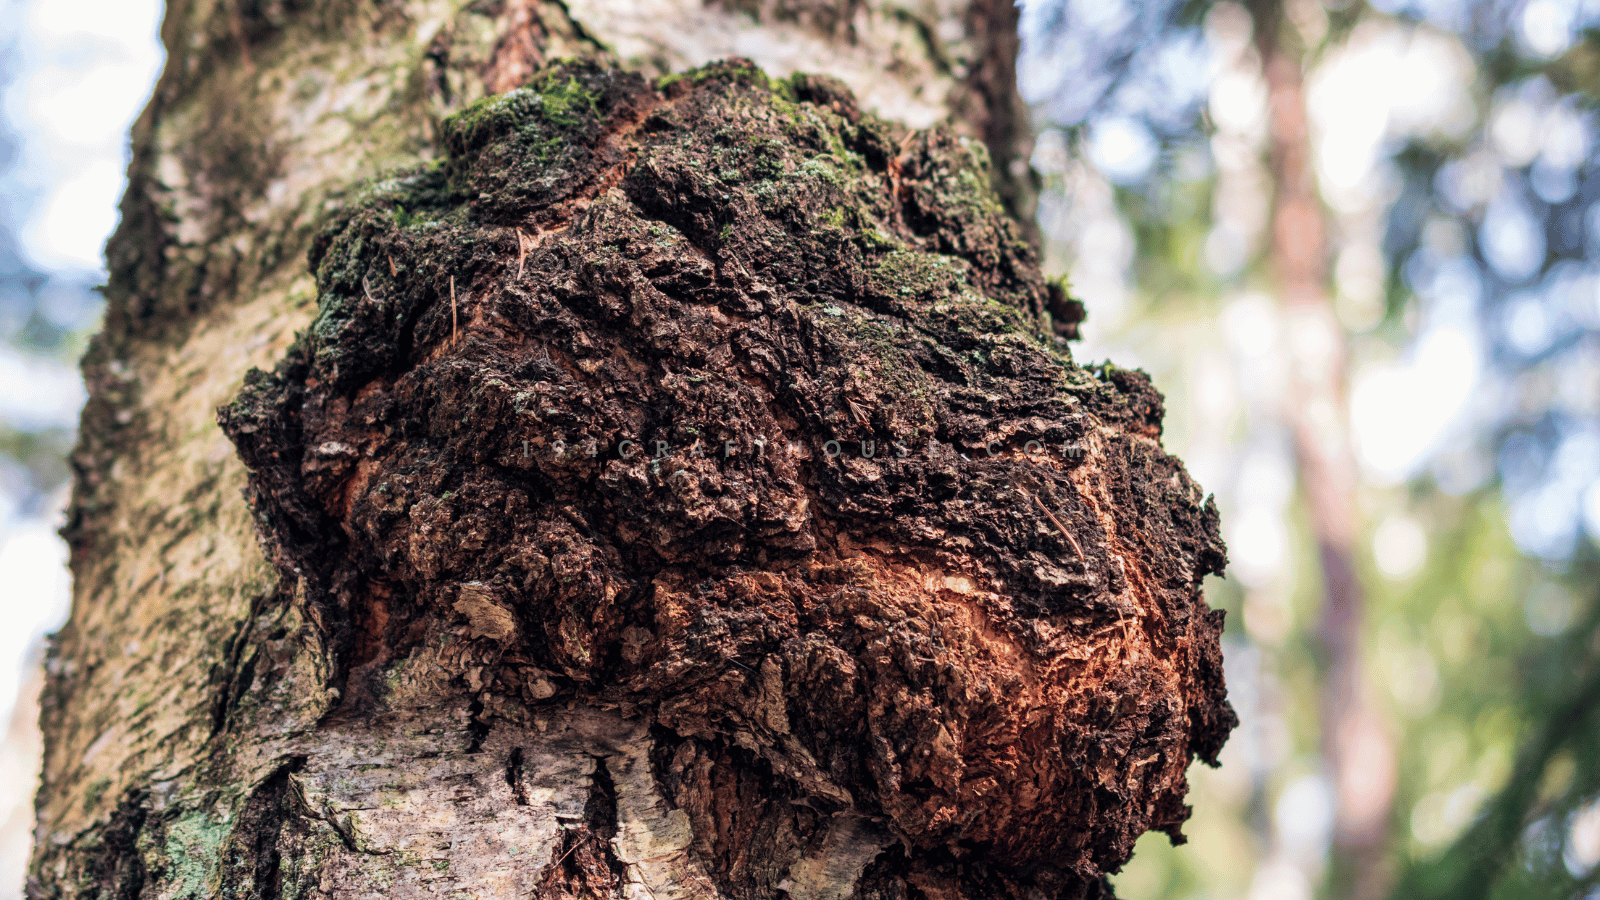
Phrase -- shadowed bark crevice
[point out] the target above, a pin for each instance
(585, 867)
(253, 861)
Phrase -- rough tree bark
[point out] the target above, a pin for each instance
(678, 488)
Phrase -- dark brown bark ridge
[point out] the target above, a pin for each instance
(720, 402)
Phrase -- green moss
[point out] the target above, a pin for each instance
(789, 88)
(821, 168)
(566, 103)
(91, 797)
(766, 160)
(193, 850)
(814, 167)
(479, 119)
(877, 240)
(916, 275)
(961, 178)
(538, 124)
(556, 98)
(738, 71)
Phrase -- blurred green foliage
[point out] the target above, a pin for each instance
(1485, 650)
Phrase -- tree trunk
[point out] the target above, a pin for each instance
(1358, 749)
(678, 488)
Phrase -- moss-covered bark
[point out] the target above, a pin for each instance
(678, 489)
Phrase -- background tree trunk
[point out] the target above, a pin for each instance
(1356, 745)
(326, 720)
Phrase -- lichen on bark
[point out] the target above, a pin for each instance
(719, 402)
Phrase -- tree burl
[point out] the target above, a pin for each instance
(720, 402)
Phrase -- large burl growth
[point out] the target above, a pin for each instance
(725, 404)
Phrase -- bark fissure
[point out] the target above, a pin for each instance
(519, 791)
(586, 866)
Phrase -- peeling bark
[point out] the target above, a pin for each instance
(474, 657)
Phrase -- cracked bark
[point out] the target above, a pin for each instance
(434, 653)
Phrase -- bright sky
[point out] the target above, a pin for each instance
(85, 70)
(82, 72)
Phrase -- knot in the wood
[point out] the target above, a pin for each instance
(725, 401)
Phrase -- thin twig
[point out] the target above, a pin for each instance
(521, 252)
(452, 308)
(237, 22)
(577, 842)
(1059, 527)
(392, 272)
